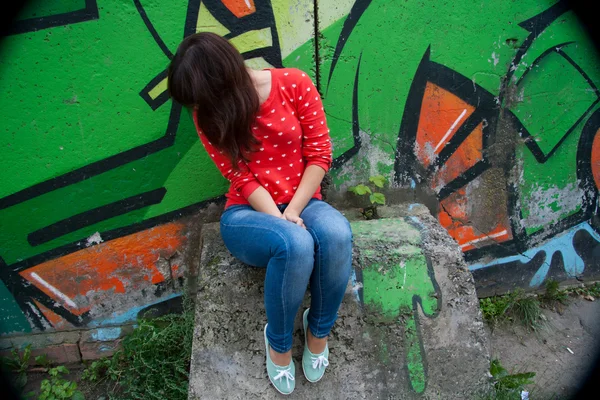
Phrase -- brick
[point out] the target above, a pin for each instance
(96, 350)
(39, 341)
(61, 354)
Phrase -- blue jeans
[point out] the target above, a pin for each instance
(320, 254)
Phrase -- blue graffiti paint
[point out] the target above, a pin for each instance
(106, 334)
(131, 314)
(411, 206)
(562, 243)
(418, 222)
(355, 286)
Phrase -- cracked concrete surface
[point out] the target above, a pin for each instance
(559, 373)
(368, 354)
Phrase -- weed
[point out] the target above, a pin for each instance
(507, 386)
(553, 297)
(16, 366)
(512, 306)
(494, 309)
(375, 182)
(154, 360)
(57, 388)
(98, 371)
(528, 311)
(590, 290)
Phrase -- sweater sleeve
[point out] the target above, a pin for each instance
(242, 180)
(316, 142)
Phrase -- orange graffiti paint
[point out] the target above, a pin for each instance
(240, 8)
(442, 113)
(455, 218)
(468, 153)
(595, 159)
(55, 320)
(81, 279)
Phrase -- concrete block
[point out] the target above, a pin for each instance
(409, 326)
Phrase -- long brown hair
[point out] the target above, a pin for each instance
(208, 75)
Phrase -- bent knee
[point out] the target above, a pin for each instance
(297, 243)
(336, 233)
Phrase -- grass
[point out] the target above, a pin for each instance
(514, 306)
(527, 309)
(153, 362)
(553, 295)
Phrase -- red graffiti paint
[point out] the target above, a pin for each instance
(240, 8)
(90, 276)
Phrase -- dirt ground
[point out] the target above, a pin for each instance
(91, 391)
(559, 372)
(561, 354)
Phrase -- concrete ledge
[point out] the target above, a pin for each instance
(409, 326)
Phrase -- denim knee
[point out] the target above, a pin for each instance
(297, 247)
(336, 234)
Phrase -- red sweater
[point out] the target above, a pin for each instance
(293, 132)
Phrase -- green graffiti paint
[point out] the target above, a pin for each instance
(392, 286)
(414, 358)
(48, 8)
(396, 278)
(12, 319)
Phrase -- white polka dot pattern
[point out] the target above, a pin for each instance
(276, 127)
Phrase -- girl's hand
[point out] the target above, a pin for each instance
(293, 216)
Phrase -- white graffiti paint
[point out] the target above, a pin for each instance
(548, 205)
(94, 239)
(54, 290)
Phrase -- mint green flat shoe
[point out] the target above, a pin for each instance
(313, 365)
(278, 374)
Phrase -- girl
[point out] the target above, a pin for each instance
(267, 134)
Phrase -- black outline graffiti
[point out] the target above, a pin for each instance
(585, 174)
(535, 26)
(21, 289)
(486, 110)
(262, 18)
(98, 167)
(93, 216)
(357, 10)
(152, 30)
(529, 139)
(88, 13)
(407, 168)
(348, 154)
(161, 98)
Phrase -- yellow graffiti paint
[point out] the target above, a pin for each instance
(253, 40)
(158, 89)
(208, 23)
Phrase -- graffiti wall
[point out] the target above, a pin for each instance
(492, 107)
(97, 163)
